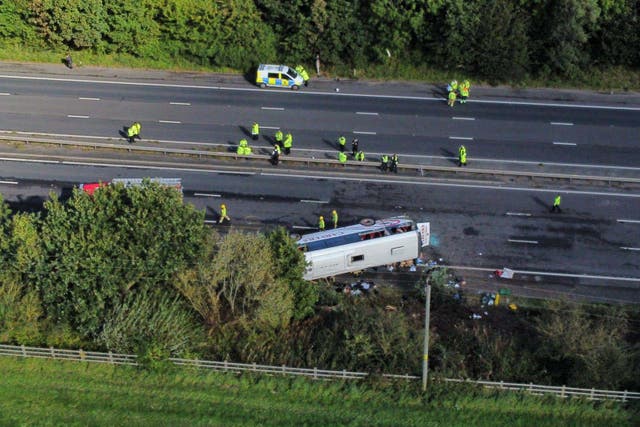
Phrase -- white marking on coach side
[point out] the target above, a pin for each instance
(362, 132)
(73, 116)
(630, 221)
(272, 108)
(562, 123)
(175, 122)
(465, 138)
(531, 242)
(573, 144)
(83, 98)
(463, 118)
(518, 214)
(180, 103)
(206, 195)
(365, 113)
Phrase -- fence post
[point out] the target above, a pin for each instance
(225, 365)
(562, 391)
(24, 351)
(344, 373)
(624, 396)
(111, 358)
(530, 387)
(255, 367)
(53, 353)
(315, 373)
(284, 369)
(81, 353)
(593, 390)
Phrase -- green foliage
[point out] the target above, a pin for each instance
(78, 24)
(20, 314)
(289, 267)
(98, 249)
(148, 323)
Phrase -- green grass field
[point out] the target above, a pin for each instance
(47, 392)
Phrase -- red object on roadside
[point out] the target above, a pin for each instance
(91, 187)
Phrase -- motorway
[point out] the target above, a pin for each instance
(477, 224)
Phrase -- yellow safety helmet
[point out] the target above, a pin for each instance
(223, 205)
(321, 217)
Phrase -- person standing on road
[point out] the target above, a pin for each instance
(334, 217)
(342, 158)
(354, 147)
(394, 163)
(255, 131)
(342, 142)
(278, 137)
(556, 204)
(360, 156)
(462, 156)
(223, 214)
(384, 163)
(288, 143)
(133, 132)
(452, 98)
(321, 223)
(464, 91)
(275, 155)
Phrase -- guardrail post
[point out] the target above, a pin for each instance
(562, 391)
(24, 351)
(53, 353)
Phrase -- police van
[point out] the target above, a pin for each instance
(278, 76)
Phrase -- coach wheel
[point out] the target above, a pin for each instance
(367, 222)
(262, 85)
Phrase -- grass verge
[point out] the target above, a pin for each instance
(47, 392)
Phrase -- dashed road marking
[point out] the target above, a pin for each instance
(362, 132)
(573, 144)
(630, 221)
(365, 113)
(175, 122)
(4, 94)
(210, 221)
(206, 195)
(518, 214)
(463, 118)
(84, 98)
(9, 182)
(303, 227)
(272, 108)
(562, 123)
(313, 201)
(74, 116)
(530, 242)
(629, 249)
(180, 103)
(465, 138)
(270, 127)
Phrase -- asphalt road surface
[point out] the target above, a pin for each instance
(596, 239)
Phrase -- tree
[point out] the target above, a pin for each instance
(97, 249)
(290, 265)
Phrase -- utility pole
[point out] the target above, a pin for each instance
(425, 357)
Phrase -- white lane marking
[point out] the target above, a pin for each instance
(210, 221)
(270, 127)
(562, 124)
(13, 159)
(126, 166)
(448, 184)
(303, 227)
(466, 138)
(630, 221)
(531, 242)
(463, 118)
(518, 214)
(313, 201)
(362, 132)
(4, 94)
(206, 195)
(180, 103)
(573, 144)
(364, 113)
(9, 182)
(83, 98)
(74, 116)
(175, 122)
(629, 249)
(360, 95)
(272, 108)
(550, 273)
